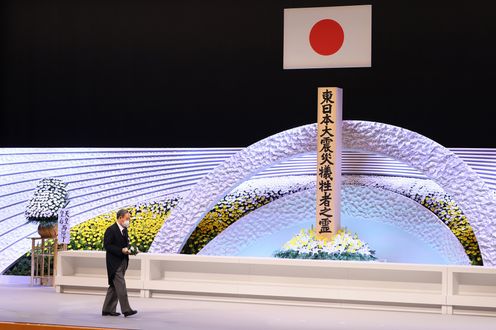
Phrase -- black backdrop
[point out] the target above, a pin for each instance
(196, 73)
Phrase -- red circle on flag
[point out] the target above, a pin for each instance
(326, 37)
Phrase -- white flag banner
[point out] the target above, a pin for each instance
(64, 230)
(328, 37)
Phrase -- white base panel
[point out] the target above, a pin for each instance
(366, 285)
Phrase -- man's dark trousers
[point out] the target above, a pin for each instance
(117, 291)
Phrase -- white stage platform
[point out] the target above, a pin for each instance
(22, 303)
(317, 283)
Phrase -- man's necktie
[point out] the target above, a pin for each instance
(126, 237)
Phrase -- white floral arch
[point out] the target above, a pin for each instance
(432, 159)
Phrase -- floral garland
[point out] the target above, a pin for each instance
(433, 197)
(227, 211)
(49, 197)
(342, 246)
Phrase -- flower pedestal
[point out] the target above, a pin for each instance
(43, 260)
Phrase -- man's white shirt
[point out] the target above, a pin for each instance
(120, 227)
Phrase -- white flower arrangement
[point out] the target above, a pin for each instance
(49, 197)
(342, 246)
(133, 250)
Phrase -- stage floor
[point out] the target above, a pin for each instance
(22, 303)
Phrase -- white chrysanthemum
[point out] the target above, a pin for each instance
(50, 195)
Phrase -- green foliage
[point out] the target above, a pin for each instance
(21, 267)
(321, 255)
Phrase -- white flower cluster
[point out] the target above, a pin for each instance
(158, 206)
(50, 196)
(308, 242)
(133, 250)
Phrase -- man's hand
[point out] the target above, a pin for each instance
(125, 250)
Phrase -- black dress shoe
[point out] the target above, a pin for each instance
(111, 313)
(131, 312)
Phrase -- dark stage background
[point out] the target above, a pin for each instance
(196, 73)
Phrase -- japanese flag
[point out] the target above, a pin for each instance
(328, 37)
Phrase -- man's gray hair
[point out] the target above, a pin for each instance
(121, 213)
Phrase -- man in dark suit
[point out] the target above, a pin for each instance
(116, 242)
